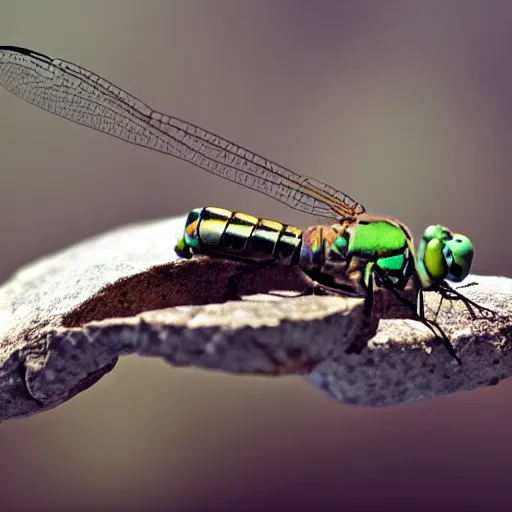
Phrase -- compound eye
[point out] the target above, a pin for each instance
(458, 253)
(456, 272)
(448, 256)
(434, 259)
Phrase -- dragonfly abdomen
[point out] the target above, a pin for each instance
(235, 235)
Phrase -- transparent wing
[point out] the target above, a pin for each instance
(81, 96)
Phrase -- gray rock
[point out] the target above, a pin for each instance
(68, 317)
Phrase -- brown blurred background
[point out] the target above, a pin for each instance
(405, 105)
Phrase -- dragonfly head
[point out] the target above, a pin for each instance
(443, 255)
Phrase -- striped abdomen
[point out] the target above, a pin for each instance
(235, 235)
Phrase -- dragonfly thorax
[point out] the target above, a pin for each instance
(345, 256)
(324, 257)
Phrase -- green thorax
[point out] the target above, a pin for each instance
(378, 238)
(385, 243)
(345, 255)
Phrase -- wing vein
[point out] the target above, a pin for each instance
(85, 98)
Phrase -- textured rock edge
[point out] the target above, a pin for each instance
(63, 344)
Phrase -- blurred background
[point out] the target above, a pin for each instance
(406, 106)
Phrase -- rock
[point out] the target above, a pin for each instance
(68, 317)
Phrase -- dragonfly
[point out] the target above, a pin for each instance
(356, 254)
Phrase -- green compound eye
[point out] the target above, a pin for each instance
(444, 255)
(458, 253)
(433, 258)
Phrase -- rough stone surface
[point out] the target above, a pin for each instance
(66, 319)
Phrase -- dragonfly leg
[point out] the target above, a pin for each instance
(439, 307)
(233, 285)
(321, 290)
(368, 301)
(324, 290)
(449, 293)
(432, 325)
(421, 304)
(467, 285)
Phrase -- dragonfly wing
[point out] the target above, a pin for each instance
(83, 97)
